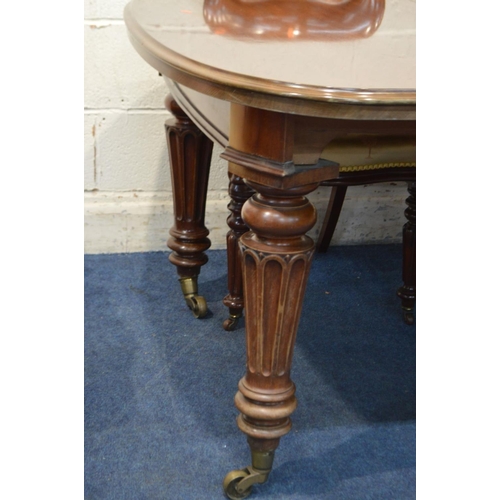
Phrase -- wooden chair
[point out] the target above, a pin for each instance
(365, 160)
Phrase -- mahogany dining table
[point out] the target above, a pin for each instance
(273, 82)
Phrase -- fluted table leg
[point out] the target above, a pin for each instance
(276, 257)
(190, 155)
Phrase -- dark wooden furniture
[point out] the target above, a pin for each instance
(365, 160)
(282, 113)
(407, 292)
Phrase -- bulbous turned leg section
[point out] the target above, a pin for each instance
(276, 256)
(239, 193)
(190, 155)
(407, 293)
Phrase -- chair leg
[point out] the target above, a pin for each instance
(331, 217)
(407, 293)
(239, 192)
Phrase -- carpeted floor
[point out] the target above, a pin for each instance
(159, 384)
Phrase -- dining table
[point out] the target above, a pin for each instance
(273, 82)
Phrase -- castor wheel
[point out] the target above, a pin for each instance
(238, 483)
(198, 305)
(231, 323)
(231, 482)
(409, 317)
(195, 302)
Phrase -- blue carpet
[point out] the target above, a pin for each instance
(159, 384)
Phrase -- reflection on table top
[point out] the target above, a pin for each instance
(322, 20)
(360, 50)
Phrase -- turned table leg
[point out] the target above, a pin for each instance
(190, 155)
(276, 256)
(407, 292)
(239, 192)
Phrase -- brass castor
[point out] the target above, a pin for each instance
(408, 317)
(198, 305)
(195, 302)
(231, 483)
(238, 483)
(232, 322)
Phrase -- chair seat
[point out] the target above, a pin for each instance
(362, 152)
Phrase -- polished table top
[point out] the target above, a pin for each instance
(295, 51)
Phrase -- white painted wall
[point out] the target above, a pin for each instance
(128, 205)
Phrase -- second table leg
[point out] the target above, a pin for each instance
(190, 156)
